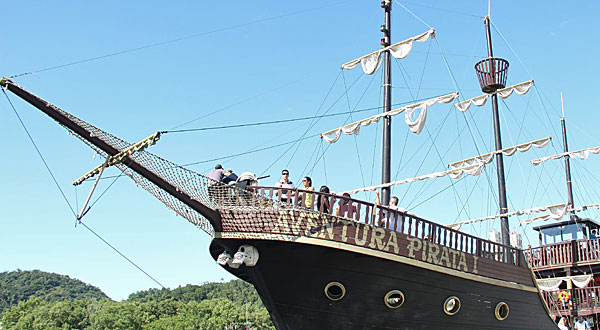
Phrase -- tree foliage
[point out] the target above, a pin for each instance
(208, 306)
(21, 285)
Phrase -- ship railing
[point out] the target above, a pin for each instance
(581, 301)
(379, 216)
(564, 253)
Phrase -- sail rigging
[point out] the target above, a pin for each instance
(471, 166)
(521, 89)
(556, 211)
(582, 154)
(415, 124)
(371, 62)
(571, 209)
(487, 158)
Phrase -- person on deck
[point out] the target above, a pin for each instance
(345, 208)
(286, 195)
(307, 197)
(393, 216)
(580, 324)
(215, 188)
(562, 324)
(323, 201)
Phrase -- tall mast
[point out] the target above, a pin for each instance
(495, 70)
(567, 163)
(387, 105)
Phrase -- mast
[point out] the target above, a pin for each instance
(496, 70)
(567, 162)
(387, 105)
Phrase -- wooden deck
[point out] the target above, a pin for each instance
(565, 254)
(583, 301)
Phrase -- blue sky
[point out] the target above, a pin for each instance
(221, 63)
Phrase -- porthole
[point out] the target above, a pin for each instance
(335, 291)
(502, 311)
(394, 299)
(452, 305)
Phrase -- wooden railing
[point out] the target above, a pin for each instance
(564, 253)
(580, 300)
(386, 217)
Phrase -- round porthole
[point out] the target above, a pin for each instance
(394, 299)
(452, 305)
(502, 311)
(335, 291)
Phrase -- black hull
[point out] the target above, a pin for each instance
(291, 277)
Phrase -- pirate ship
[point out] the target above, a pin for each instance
(369, 266)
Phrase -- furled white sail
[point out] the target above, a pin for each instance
(581, 154)
(411, 111)
(480, 100)
(487, 158)
(552, 284)
(554, 211)
(371, 62)
(455, 173)
(471, 166)
(547, 216)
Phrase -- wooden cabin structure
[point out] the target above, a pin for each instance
(567, 263)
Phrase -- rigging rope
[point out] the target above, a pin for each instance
(441, 9)
(415, 16)
(232, 27)
(65, 197)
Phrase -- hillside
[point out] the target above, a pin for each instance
(43, 301)
(21, 285)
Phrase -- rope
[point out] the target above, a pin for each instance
(511, 49)
(232, 27)
(121, 254)
(39, 153)
(238, 103)
(65, 198)
(410, 12)
(441, 9)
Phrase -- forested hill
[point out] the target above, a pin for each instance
(238, 292)
(21, 285)
(38, 301)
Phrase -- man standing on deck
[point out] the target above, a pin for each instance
(286, 195)
(215, 188)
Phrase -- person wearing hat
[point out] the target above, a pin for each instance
(216, 176)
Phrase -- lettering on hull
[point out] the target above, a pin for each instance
(315, 225)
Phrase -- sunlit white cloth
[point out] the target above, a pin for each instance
(480, 100)
(415, 124)
(371, 62)
(582, 154)
(487, 158)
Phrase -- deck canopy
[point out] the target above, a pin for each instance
(564, 231)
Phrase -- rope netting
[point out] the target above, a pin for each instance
(183, 180)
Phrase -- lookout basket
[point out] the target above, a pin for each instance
(492, 73)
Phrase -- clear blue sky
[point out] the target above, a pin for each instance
(240, 62)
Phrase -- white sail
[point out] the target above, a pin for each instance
(415, 124)
(480, 100)
(554, 211)
(371, 62)
(547, 216)
(552, 284)
(471, 166)
(455, 173)
(487, 158)
(581, 154)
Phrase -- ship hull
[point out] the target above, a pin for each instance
(291, 278)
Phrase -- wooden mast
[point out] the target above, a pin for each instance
(567, 162)
(498, 141)
(387, 105)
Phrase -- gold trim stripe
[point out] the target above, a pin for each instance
(378, 254)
